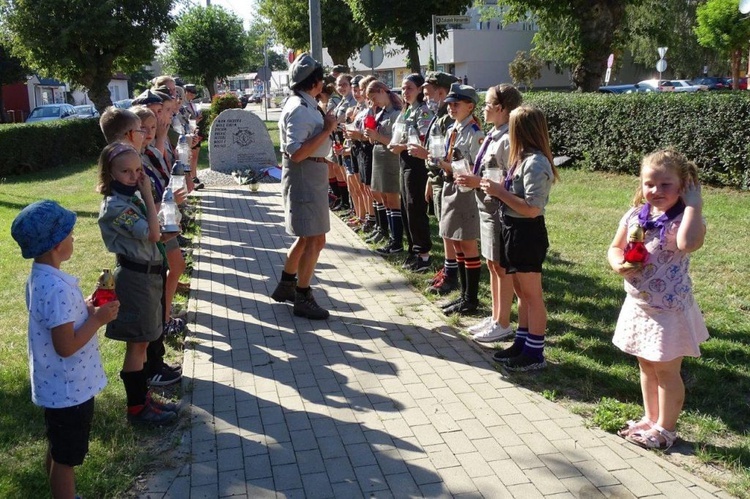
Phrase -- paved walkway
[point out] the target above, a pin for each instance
(382, 400)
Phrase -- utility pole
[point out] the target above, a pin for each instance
(316, 31)
(208, 3)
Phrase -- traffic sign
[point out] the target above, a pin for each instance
(661, 65)
(264, 73)
(607, 75)
(452, 19)
(662, 52)
(371, 57)
(610, 60)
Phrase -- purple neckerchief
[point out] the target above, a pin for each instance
(509, 177)
(482, 150)
(662, 221)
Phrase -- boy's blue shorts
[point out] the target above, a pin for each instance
(68, 432)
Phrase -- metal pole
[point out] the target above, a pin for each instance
(266, 89)
(434, 43)
(316, 31)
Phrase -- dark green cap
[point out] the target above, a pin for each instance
(460, 92)
(439, 79)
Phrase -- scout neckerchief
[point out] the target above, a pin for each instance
(451, 143)
(662, 221)
(482, 150)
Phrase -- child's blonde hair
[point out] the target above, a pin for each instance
(115, 123)
(670, 160)
(377, 85)
(528, 131)
(110, 154)
(142, 112)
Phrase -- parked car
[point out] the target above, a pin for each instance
(87, 111)
(49, 112)
(682, 86)
(742, 83)
(712, 82)
(123, 104)
(654, 84)
(631, 88)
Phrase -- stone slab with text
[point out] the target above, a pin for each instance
(239, 140)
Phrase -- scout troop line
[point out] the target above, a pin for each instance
(387, 157)
(391, 156)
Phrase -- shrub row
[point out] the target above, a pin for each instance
(40, 146)
(613, 132)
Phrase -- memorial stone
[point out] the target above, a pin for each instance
(238, 141)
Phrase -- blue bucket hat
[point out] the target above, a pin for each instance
(41, 226)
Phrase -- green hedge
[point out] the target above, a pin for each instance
(614, 132)
(40, 146)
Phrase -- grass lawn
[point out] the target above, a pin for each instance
(586, 373)
(117, 452)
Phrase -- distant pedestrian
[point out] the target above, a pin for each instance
(466, 80)
(660, 322)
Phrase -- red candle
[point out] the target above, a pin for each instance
(370, 122)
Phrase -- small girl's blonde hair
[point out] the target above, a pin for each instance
(670, 160)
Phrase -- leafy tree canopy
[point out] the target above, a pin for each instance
(259, 36)
(207, 43)
(576, 34)
(290, 19)
(402, 22)
(669, 23)
(86, 42)
(722, 27)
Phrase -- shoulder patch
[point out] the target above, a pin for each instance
(475, 127)
(126, 219)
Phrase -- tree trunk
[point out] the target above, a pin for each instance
(2, 106)
(339, 55)
(210, 85)
(598, 24)
(735, 64)
(413, 47)
(99, 91)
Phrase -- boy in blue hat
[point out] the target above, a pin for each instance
(66, 369)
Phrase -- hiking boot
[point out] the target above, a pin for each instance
(151, 415)
(524, 363)
(447, 285)
(376, 238)
(367, 227)
(437, 278)
(161, 403)
(197, 184)
(503, 356)
(164, 377)
(285, 291)
(174, 326)
(451, 302)
(306, 306)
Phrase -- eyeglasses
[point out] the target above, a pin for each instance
(140, 130)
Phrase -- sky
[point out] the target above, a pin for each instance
(244, 9)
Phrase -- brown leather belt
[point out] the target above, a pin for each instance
(311, 158)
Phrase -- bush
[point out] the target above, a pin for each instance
(40, 146)
(613, 132)
(218, 104)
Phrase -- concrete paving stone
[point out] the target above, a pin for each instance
(230, 459)
(347, 490)
(618, 491)
(596, 473)
(508, 472)
(559, 465)
(608, 458)
(443, 422)
(538, 443)
(415, 417)
(635, 482)
(586, 437)
(525, 491)
(519, 423)
(351, 433)
(203, 450)
(473, 429)
(458, 442)
(317, 486)
(441, 456)
(488, 417)
(277, 432)
(286, 477)
(261, 489)
(204, 473)
(655, 474)
(281, 453)
(457, 481)
(580, 487)
(675, 489)
(360, 454)
(303, 440)
(390, 462)
(257, 467)
(209, 491)
(423, 471)
(229, 439)
(434, 490)
(370, 478)
(458, 411)
(545, 481)
(403, 485)
(572, 451)
(339, 469)
(232, 483)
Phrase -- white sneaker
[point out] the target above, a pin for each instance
(494, 333)
(481, 326)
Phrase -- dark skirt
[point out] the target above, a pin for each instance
(141, 315)
(459, 216)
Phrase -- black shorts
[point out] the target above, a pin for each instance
(68, 432)
(524, 244)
